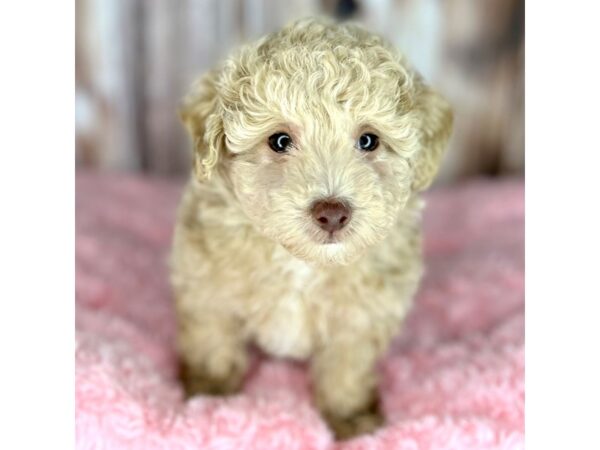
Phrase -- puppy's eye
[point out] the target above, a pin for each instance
(279, 142)
(368, 142)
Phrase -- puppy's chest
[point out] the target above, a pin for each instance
(282, 325)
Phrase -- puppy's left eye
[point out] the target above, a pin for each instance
(279, 142)
(368, 142)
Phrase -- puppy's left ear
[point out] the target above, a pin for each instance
(435, 125)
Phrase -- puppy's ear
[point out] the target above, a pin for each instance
(435, 125)
(200, 113)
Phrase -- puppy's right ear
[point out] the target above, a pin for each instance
(200, 113)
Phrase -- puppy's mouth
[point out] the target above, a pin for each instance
(330, 241)
(332, 238)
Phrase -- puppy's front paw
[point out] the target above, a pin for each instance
(362, 422)
(198, 380)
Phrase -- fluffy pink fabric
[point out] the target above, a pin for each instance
(452, 380)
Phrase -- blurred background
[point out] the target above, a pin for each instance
(135, 59)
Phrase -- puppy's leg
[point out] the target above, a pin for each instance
(213, 353)
(345, 384)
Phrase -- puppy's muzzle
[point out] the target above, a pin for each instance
(331, 215)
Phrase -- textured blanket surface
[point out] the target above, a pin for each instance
(453, 379)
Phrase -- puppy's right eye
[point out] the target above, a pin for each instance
(279, 142)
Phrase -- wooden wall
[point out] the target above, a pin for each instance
(136, 58)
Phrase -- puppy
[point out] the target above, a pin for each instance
(299, 230)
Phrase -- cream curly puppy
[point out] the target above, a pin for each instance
(300, 231)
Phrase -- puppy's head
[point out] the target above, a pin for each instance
(323, 132)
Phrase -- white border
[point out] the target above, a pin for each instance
(562, 225)
(37, 224)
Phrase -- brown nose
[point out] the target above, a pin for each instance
(331, 215)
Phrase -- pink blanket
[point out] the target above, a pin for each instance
(452, 380)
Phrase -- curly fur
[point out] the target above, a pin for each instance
(249, 264)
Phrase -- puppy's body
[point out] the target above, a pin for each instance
(251, 262)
